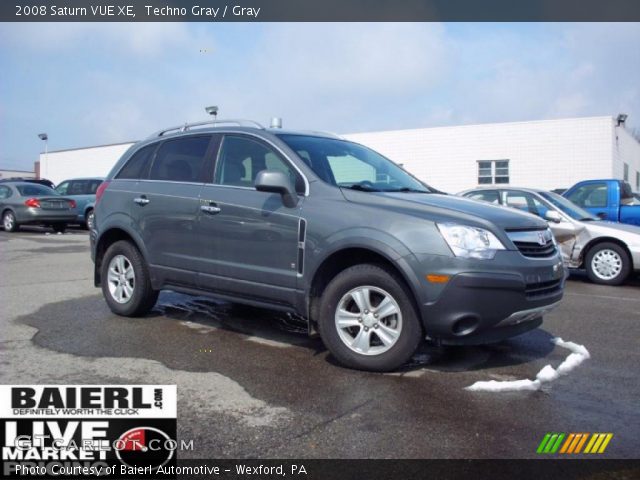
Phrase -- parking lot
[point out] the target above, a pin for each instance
(252, 384)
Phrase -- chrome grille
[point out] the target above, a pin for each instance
(534, 243)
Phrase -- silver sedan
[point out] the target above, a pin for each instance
(608, 251)
(23, 203)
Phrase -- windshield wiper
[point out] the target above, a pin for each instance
(407, 189)
(361, 188)
(589, 219)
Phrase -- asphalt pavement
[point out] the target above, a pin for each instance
(251, 384)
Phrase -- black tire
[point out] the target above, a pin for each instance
(89, 219)
(616, 254)
(144, 297)
(387, 281)
(9, 221)
(59, 227)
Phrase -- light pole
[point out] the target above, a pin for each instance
(45, 137)
(213, 111)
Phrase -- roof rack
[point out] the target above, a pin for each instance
(214, 123)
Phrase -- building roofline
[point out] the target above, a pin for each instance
(89, 148)
(470, 125)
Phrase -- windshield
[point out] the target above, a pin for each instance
(34, 190)
(567, 206)
(349, 165)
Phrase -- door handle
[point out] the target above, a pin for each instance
(212, 209)
(141, 200)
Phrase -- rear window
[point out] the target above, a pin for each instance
(180, 160)
(138, 165)
(34, 190)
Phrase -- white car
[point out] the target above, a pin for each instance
(608, 251)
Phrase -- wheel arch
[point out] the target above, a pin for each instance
(597, 241)
(108, 238)
(347, 256)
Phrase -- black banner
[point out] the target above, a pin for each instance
(320, 11)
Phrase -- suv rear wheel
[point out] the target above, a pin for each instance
(367, 320)
(126, 285)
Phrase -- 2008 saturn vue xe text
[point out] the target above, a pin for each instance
(323, 227)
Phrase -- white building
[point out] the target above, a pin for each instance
(12, 173)
(544, 154)
(540, 154)
(81, 162)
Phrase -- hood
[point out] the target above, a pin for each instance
(457, 208)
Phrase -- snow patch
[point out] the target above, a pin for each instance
(548, 374)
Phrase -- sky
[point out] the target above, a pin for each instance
(88, 84)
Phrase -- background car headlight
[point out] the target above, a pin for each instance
(470, 242)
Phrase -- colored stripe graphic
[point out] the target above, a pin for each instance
(573, 443)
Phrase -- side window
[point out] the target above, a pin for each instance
(526, 202)
(92, 186)
(138, 165)
(490, 196)
(76, 187)
(5, 192)
(593, 195)
(180, 160)
(241, 159)
(62, 188)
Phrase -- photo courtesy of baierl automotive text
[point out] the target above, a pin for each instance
(319, 240)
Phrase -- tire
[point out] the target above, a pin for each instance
(89, 219)
(139, 297)
(9, 222)
(388, 340)
(608, 264)
(59, 227)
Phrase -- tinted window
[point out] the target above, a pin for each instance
(180, 160)
(5, 192)
(92, 185)
(35, 190)
(77, 187)
(241, 159)
(592, 195)
(138, 165)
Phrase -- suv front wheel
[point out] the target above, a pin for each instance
(367, 320)
(126, 285)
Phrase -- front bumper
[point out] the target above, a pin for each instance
(477, 307)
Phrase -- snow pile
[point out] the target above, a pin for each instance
(548, 374)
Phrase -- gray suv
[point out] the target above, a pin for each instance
(312, 224)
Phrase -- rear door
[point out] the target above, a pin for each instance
(250, 244)
(166, 207)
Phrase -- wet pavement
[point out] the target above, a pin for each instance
(251, 383)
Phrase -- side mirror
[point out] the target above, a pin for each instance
(553, 216)
(277, 182)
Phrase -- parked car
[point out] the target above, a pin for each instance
(608, 251)
(83, 191)
(23, 203)
(371, 256)
(39, 181)
(607, 199)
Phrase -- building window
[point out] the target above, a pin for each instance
(493, 172)
(626, 172)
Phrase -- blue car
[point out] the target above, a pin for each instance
(83, 191)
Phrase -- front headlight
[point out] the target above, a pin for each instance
(470, 242)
